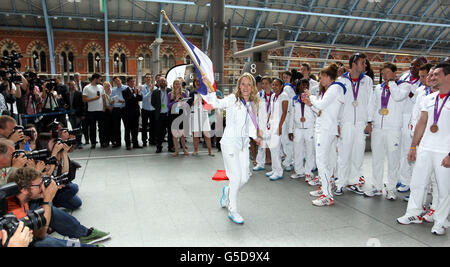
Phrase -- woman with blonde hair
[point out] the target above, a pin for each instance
(175, 106)
(241, 108)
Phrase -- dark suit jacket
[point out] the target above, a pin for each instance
(131, 103)
(77, 104)
(156, 101)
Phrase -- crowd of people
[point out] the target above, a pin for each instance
(314, 128)
(304, 124)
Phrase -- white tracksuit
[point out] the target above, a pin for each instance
(386, 134)
(303, 136)
(288, 145)
(264, 107)
(434, 147)
(314, 88)
(235, 143)
(406, 139)
(274, 140)
(352, 140)
(330, 105)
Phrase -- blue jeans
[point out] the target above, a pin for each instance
(62, 222)
(49, 241)
(67, 197)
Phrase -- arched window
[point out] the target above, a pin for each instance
(98, 63)
(90, 62)
(39, 58)
(147, 62)
(43, 61)
(123, 61)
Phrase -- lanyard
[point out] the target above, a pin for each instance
(385, 95)
(437, 113)
(251, 113)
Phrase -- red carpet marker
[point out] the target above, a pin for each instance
(220, 176)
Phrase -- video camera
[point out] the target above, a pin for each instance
(34, 220)
(63, 179)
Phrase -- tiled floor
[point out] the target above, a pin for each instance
(148, 199)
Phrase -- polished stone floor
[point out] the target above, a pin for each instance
(148, 199)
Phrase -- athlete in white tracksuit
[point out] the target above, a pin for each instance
(352, 140)
(301, 132)
(386, 133)
(236, 139)
(264, 108)
(412, 78)
(329, 105)
(277, 120)
(433, 133)
(288, 145)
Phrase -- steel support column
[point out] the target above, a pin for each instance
(106, 43)
(48, 25)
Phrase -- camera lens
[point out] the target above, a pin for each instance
(35, 219)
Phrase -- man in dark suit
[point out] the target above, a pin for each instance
(74, 100)
(79, 84)
(160, 101)
(132, 96)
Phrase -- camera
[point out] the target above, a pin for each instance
(41, 155)
(7, 190)
(76, 131)
(63, 179)
(34, 220)
(10, 64)
(69, 142)
(51, 161)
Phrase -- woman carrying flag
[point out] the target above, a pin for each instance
(241, 108)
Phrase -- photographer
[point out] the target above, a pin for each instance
(31, 100)
(8, 129)
(30, 136)
(34, 195)
(50, 102)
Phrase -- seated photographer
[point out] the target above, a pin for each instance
(9, 130)
(30, 136)
(37, 192)
(8, 163)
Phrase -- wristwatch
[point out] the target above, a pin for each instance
(47, 203)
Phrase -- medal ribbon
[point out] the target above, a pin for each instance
(437, 113)
(251, 113)
(428, 90)
(302, 105)
(385, 95)
(267, 101)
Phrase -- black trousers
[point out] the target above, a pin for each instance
(108, 126)
(163, 126)
(96, 117)
(131, 128)
(118, 115)
(148, 127)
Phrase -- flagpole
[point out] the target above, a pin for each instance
(208, 83)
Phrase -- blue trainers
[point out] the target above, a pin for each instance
(275, 177)
(268, 174)
(235, 217)
(258, 168)
(406, 198)
(403, 188)
(224, 198)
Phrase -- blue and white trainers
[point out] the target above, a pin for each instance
(268, 174)
(275, 177)
(258, 168)
(403, 188)
(224, 198)
(235, 217)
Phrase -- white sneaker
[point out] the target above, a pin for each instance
(316, 193)
(355, 188)
(275, 177)
(288, 168)
(258, 168)
(268, 174)
(403, 188)
(438, 229)
(390, 195)
(296, 176)
(235, 217)
(339, 191)
(429, 216)
(224, 198)
(373, 192)
(315, 181)
(409, 219)
(308, 178)
(323, 201)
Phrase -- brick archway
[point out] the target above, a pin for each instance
(89, 47)
(119, 46)
(10, 43)
(64, 45)
(36, 43)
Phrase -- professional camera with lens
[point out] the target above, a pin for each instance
(41, 155)
(51, 161)
(51, 84)
(69, 142)
(63, 179)
(7, 190)
(76, 131)
(34, 220)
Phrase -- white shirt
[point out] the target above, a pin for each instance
(308, 112)
(276, 111)
(239, 125)
(359, 114)
(314, 87)
(394, 119)
(330, 105)
(408, 103)
(91, 91)
(264, 109)
(421, 93)
(439, 141)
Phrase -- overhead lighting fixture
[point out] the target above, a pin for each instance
(98, 20)
(126, 21)
(140, 22)
(84, 19)
(23, 16)
(70, 18)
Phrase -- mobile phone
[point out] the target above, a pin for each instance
(98, 93)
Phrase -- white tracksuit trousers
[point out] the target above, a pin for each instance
(405, 170)
(351, 145)
(236, 163)
(288, 148)
(303, 149)
(325, 159)
(385, 142)
(275, 149)
(427, 162)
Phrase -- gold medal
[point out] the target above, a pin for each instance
(303, 119)
(384, 111)
(355, 103)
(434, 128)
